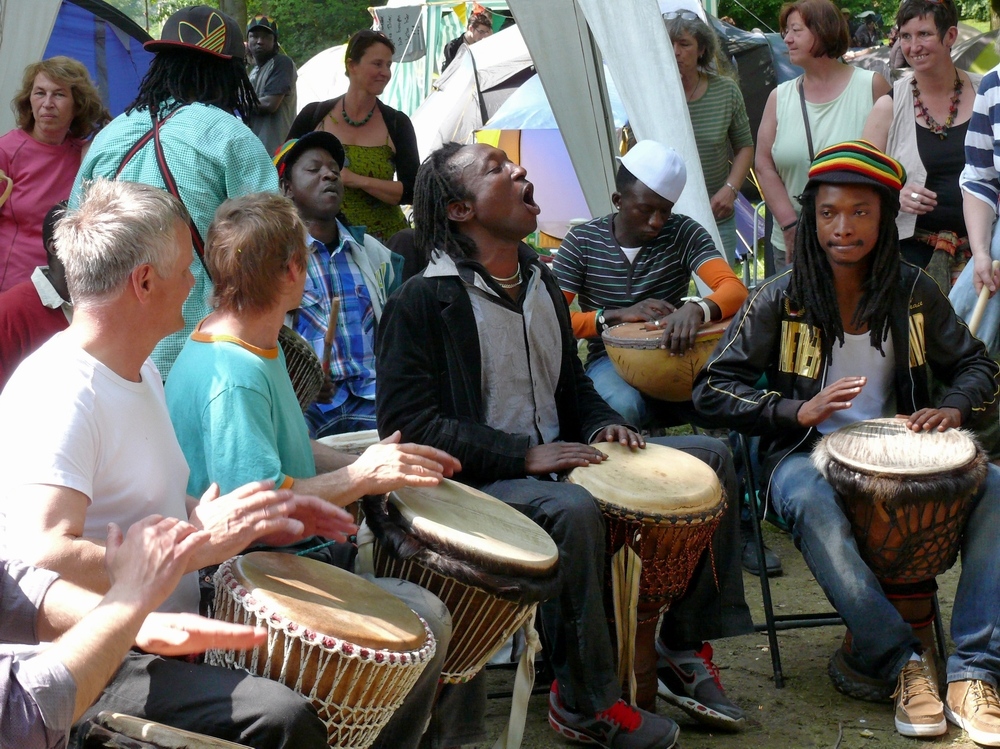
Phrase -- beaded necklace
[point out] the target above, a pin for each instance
(351, 122)
(941, 131)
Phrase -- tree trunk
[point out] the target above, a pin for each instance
(237, 9)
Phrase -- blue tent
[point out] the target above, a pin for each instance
(108, 42)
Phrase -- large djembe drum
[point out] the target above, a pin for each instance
(350, 648)
(488, 563)
(304, 368)
(661, 507)
(635, 351)
(908, 496)
(108, 730)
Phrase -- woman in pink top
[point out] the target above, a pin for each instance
(57, 109)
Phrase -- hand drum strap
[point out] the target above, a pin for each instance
(626, 570)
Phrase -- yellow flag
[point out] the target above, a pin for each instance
(460, 11)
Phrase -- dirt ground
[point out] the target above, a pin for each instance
(808, 712)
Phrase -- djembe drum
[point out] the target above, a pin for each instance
(661, 507)
(638, 358)
(908, 496)
(304, 368)
(353, 650)
(108, 730)
(352, 443)
(488, 563)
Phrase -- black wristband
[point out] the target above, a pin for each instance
(789, 225)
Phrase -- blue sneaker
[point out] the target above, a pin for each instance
(621, 726)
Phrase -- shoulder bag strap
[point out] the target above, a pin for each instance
(805, 119)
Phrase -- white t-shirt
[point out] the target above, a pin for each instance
(631, 252)
(70, 421)
(857, 358)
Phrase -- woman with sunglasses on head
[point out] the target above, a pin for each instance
(380, 143)
(827, 104)
(718, 116)
(922, 124)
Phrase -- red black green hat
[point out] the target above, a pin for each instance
(201, 29)
(856, 162)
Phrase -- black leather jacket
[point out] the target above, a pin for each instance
(767, 338)
(429, 377)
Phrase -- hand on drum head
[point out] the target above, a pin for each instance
(644, 311)
(556, 457)
(835, 397)
(680, 329)
(927, 419)
(146, 564)
(186, 634)
(624, 435)
(241, 517)
(389, 465)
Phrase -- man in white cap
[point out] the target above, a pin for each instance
(635, 266)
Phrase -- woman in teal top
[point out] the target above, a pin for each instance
(718, 117)
(837, 98)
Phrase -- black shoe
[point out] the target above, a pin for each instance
(771, 560)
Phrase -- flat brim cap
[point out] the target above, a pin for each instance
(201, 29)
(856, 162)
(658, 167)
(263, 22)
(290, 150)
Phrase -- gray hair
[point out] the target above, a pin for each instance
(710, 59)
(117, 227)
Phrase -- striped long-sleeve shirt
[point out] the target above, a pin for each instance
(981, 176)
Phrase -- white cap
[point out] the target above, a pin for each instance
(658, 167)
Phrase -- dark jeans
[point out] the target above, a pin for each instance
(709, 609)
(574, 621)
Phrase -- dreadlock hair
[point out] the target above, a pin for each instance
(812, 291)
(190, 77)
(439, 184)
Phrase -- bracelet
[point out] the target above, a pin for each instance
(735, 191)
(789, 225)
(599, 321)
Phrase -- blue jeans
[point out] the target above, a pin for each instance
(636, 409)
(882, 640)
(353, 415)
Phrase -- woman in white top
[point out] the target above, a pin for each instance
(827, 104)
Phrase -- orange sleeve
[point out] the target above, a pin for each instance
(584, 323)
(728, 291)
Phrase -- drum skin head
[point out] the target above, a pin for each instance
(886, 445)
(329, 601)
(658, 480)
(459, 516)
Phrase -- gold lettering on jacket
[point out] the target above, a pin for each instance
(918, 349)
(800, 352)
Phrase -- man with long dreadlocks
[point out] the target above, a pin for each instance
(476, 356)
(195, 98)
(852, 333)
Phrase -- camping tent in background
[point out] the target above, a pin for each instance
(108, 42)
(91, 31)
(978, 53)
(477, 82)
(525, 127)
(323, 77)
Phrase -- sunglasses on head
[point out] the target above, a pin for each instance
(688, 15)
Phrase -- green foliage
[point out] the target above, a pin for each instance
(307, 26)
(977, 10)
(767, 11)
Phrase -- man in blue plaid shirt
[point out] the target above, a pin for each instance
(349, 277)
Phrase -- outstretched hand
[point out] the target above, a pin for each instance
(622, 435)
(186, 634)
(927, 419)
(145, 564)
(555, 457)
(390, 465)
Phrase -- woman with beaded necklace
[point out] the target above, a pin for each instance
(381, 146)
(922, 123)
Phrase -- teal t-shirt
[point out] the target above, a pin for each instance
(236, 416)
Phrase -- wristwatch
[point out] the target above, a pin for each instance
(705, 309)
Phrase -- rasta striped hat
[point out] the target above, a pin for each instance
(856, 162)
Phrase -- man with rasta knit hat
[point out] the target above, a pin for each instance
(851, 333)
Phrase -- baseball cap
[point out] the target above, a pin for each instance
(261, 21)
(201, 29)
(290, 151)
